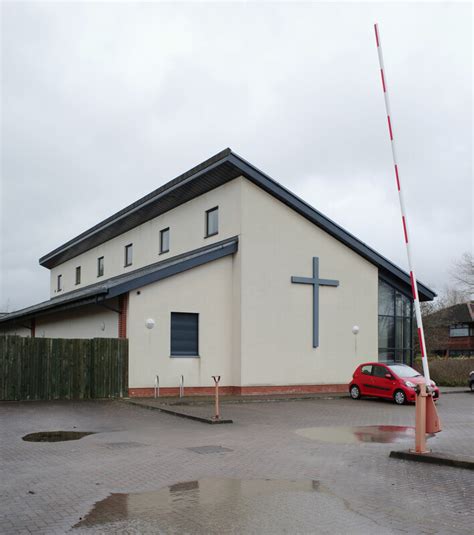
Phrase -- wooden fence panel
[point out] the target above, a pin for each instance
(57, 368)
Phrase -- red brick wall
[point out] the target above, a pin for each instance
(122, 320)
(239, 390)
(461, 342)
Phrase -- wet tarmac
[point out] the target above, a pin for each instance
(381, 434)
(56, 436)
(204, 506)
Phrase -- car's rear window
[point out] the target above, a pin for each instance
(404, 371)
(366, 370)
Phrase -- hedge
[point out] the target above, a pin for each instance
(448, 371)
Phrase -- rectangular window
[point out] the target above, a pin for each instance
(184, 334)
(100, 266)
(59, 284)
(212, 221)
(461, 329)
(128, 254)
(164, 240)
(78, 275)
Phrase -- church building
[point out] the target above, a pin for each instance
(223, 271)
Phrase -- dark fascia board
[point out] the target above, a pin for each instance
(386, 267)
(49, 260)
(220, 164)
(189, 261)
(98, 293)
(54, 305)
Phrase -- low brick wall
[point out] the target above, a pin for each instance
(241, 390)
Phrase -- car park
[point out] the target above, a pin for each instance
(388, 380)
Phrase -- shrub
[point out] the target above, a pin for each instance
(447, 371)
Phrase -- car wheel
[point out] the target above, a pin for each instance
(354, 392)
(399, 397)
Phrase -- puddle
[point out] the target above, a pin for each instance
(381, 434)
(191, 505)
(56, 436)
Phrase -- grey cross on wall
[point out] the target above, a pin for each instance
(316, 282)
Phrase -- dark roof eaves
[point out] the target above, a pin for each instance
(295, 202)
(277, 190)
(55, 302)
(192, 174)
(135, 279)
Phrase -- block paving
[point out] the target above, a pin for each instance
(50, 488)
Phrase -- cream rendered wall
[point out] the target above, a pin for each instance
(83, 322)
(206, 290)
(276, 244)
(187, 230)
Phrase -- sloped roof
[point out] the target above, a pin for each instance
(461, 313)
(99, 292)
(218, 170)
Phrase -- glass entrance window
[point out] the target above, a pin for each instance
(395, 325)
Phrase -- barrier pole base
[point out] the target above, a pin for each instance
(420, 421)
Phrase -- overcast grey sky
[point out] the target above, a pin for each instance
(104, 102)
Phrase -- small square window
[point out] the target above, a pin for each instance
(100, 266)
(212, 221)
(78, 275)
(128, 255)
(164, 240)
(184, 334)
(59, 286)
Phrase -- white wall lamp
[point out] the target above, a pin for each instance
(150, 323)
(355, 332)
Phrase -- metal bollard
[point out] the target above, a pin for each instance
(181, 386)
(157, 386)
(217, 378)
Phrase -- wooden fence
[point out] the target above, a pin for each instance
(57, 368)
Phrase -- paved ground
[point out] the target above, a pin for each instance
(204, 406)
(275, 475)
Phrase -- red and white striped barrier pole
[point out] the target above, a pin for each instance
(414, 286)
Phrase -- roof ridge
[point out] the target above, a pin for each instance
(142, 200)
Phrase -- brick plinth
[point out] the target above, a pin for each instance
(239, 390)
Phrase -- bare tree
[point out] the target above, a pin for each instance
(462, 274)
(447, 297)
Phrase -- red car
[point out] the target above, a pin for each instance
(392, 381)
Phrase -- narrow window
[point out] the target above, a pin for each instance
(212, 221)
(128, 254)
(59, 285)
(184, 334)
(100, 266)
(164, 240)
(78, 275)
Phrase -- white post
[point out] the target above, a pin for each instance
(414, 286)
(157, 386)
(181, 386)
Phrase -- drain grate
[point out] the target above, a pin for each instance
(209, 449)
